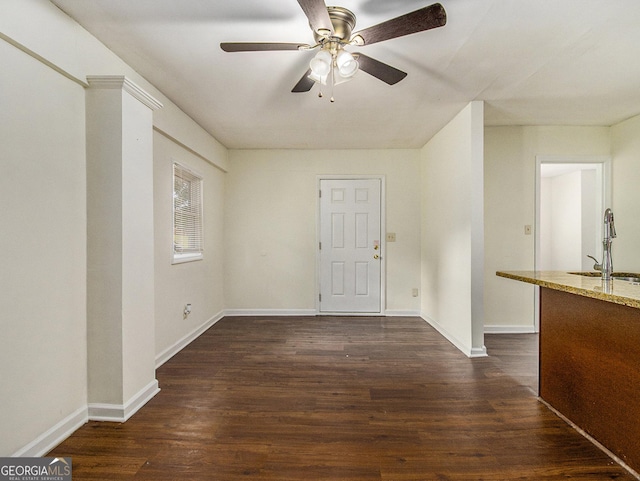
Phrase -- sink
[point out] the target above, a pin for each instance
(634, 279)
(621, 276)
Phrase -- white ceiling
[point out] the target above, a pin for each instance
(533, 62)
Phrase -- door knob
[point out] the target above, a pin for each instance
(376, 256)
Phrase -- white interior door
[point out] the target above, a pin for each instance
(350, 245)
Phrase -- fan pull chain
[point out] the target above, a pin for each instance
(333, 81)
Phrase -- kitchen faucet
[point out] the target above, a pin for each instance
(609, 233)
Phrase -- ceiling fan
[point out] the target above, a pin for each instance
(332, 28)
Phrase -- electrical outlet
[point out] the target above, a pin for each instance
(527, 230)
(414, 292)
(391, 236)
(187, 311)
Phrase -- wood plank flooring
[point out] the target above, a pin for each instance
(329, 398)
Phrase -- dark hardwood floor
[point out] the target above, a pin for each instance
(516, 355)
(328, 398)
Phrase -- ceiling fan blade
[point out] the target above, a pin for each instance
(261, 46)
(426, 18)
(305, 83)
(318, 15)
(380, 70)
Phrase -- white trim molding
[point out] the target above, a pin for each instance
(313, 312)
(55, 435)
(270, 312)
(121, 82)
(183, 342)
(400, 313)
(498, 329)
(119, 413)
(468, 351)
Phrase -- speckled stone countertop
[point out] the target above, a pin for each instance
(616, 291)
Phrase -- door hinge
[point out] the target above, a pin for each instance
(320, 245)
(320, 194)
(319, 297)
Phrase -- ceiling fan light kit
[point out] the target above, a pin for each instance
(332, 65)
(321, 64)
(346, 63)
(332, 29)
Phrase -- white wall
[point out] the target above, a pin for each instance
(590, 215)
(69, 49)
(510, 163)
(45, 59)
(198, 283)
(270, 225)
(566, 221)
(625, 148)
(545, 231)
(43, 340)
(452, 230)
(120, 275)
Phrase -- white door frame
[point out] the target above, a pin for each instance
(383, 244)
(606, 186)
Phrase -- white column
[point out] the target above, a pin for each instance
(120, 280)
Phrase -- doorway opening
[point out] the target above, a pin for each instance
(572, 193)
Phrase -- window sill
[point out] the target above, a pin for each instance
(182, 258)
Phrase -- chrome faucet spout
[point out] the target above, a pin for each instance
(609, 224)
(609, 234)
(597, 266)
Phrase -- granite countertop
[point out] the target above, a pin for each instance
(616, 291)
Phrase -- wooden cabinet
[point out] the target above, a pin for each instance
(590, 368)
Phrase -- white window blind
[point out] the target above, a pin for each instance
(187, 214)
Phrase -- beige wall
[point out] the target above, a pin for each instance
(69, 49)
(43, 356)
(197, 283)
(625, 148)
(120, 277)
(43, 289)
(270, 225)
(509, 204)
(451, 221)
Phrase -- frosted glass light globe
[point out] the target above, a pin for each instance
(321, 63)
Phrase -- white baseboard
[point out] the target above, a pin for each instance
(54, 436)
(119, 413)
(178, 346)
(270, 312)
(478, 352)
(398, 313)
(498, 329)
(313, 312)
(466, 350)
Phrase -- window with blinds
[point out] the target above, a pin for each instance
(187, 215)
